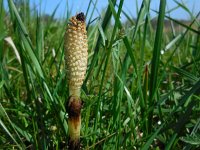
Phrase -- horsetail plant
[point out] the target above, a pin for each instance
(76, 64)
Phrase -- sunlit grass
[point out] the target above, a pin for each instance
(141, 89)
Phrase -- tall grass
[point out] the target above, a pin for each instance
(142, 87)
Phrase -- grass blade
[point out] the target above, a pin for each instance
(156, 59)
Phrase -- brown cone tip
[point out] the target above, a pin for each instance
(80, 17)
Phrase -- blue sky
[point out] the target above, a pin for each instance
(48, 7)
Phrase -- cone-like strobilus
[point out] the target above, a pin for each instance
(76, 54)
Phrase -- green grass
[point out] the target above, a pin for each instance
(134, 96)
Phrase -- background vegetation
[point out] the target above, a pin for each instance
(142, 89)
